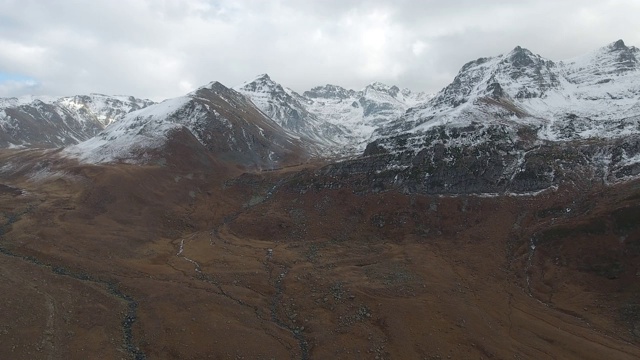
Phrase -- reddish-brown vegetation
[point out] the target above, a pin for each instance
(165, 262)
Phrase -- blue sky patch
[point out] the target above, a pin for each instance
(6, 77)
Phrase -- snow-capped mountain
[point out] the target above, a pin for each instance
(289, 110)
(516, 123)
(55, 122)
(104, 108)
(594, 95)
(328, 119)
(331, 116)
(361, 112)
(218, 120)
(329, 92)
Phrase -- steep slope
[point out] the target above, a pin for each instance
(334, 118)
(104, 108)
(40, 124)
(313, 274)
(515, 123)
(216, 120)
(608, 78)
(361, 112)
(289, 110)
(49, 122)
(564, 100)
(179, 259)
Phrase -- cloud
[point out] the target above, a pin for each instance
(17, 88)
(163, 48)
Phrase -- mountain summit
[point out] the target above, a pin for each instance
(289, 110)
(518, 123)
(218, 121)
(592, 95)
(330, 117)
(263, 123)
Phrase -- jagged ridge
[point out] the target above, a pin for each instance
(221, 120)
(49, 122)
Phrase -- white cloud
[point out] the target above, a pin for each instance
(17, 88)
(160, 49)
(16, 56)
(418, 47)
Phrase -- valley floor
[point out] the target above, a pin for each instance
(147, 262)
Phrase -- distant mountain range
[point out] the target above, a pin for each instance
(515, 122)
(594, 95)
(498, 218)
(213, 119)
(330, 115)
(56, 122)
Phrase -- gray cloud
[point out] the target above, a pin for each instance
(165, 48)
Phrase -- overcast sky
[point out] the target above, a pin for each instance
(164, 48)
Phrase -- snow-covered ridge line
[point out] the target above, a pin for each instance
(212, 120)
(592, 96)
(338, 120)
(37, 121)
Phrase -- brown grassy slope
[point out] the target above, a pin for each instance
(211, 268)
(449, 273)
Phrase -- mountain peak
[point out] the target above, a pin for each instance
(261, 84)
(262, 77)
(520, 50)
(221, 120)
(380, 87)
(521, 57)
(259, 79)
(213, 85)
(329, 91)
(618, 45)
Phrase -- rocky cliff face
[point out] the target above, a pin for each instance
(485, 160)
(595, 95)
(516, 123)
